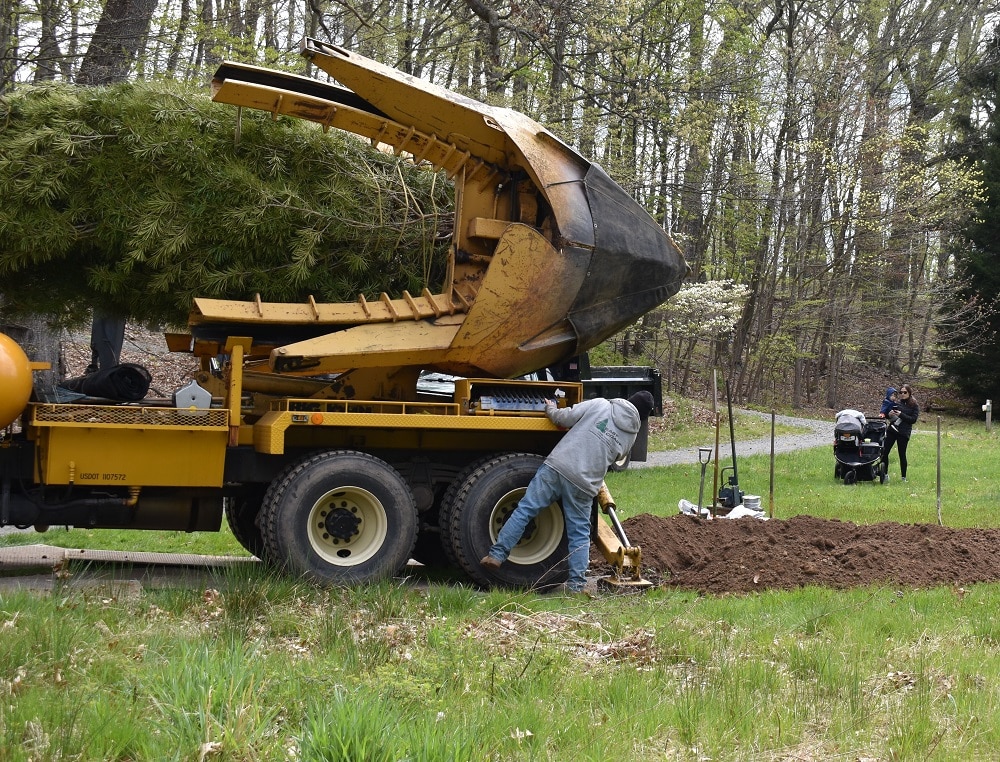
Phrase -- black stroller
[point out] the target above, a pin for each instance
(857, 448)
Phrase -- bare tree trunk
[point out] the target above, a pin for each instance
(120, 34)
(491, 38)
(691, 215)
(270, 27)
(8, 44)
(116, 42)
(590, 118)
(50, 58)
(207, 55)
(183, 22)
(557, 112)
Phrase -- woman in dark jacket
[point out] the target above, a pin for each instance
(901, 420)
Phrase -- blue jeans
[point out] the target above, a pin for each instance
(546, 487)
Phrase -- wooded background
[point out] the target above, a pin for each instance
(809, 157)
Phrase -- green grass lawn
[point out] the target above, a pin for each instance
(254, 666)
(804, 482)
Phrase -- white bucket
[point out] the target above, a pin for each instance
(751, 502)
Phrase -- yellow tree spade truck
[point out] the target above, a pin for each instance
(311, 436)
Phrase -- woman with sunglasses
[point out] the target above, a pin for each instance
(901, 420)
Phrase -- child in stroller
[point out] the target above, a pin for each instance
(857, 448)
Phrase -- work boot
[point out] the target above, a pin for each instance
(564, 589)
(489, 562)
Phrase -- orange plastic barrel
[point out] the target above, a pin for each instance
(15, 380)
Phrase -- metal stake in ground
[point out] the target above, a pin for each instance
(770, 502)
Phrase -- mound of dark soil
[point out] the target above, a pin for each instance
(743, 555)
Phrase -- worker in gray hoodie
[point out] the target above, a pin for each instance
(601, 431)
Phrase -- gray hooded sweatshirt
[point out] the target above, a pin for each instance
(600, 432)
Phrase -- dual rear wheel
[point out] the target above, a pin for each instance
(483, 501)
(346, 517)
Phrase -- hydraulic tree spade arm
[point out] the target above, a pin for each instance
(549, 255)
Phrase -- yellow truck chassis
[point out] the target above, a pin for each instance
(383, 481)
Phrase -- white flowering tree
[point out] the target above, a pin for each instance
(689, 334)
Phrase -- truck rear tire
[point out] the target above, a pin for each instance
(447, 508)
(433, 547)
(483, 503)
(241, 515)
(340, 517)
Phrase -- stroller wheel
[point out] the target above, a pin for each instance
(850, 477)
(836, 471)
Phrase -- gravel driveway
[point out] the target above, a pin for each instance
(814, 434)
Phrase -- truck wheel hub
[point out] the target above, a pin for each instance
(341, 523)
